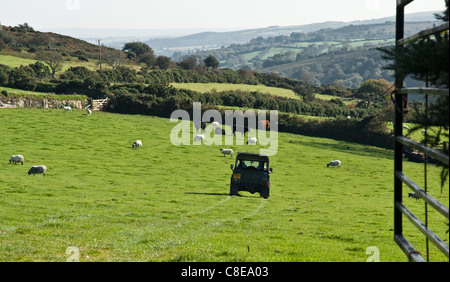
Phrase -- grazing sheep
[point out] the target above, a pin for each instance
(334, 163)
(16, 159)
(67, 108)
(227, 152)
(252, 140)
(414, 195)
(215, 124)
(199, 137)
(137, 143)
(38, 169)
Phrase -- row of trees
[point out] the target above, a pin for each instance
(145, 54)
(128, 81)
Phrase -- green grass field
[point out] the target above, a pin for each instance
(220, 87)
(274, 91)
(33, 94)
(14, 62)
(170, 203)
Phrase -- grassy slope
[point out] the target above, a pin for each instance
(275, 91)
(171, 203)
(219, 87)
(25, 93)
(14, 61)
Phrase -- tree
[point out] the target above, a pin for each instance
(141, 51)
(40, 70)
(189, 63)
(211, 62)
(53, 59)
(306, 92)
(113, 58)
(163, 62)
(148, 58)
(138, 48)
(378, 86)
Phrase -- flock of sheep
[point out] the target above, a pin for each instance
(138, 143)
(33, 170)
(251, 141)
(219, 130)
(38, 169)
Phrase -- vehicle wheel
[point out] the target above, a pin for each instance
(234, 191)
(264, 193)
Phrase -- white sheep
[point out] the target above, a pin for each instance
(16, 159)
(227, 152)
(199, 137)
(215, 124)
(137, 143)
(252, 140)
(38, 169)
(67, 108)
(334, 163)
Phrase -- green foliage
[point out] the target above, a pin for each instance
(427, 59)
(211, 62)
(137, 48)
(141, 51)
(53, 59)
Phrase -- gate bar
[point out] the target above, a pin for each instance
(422, 194)
(424, 229)
(439, 155)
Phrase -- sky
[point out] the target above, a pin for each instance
(213, 14)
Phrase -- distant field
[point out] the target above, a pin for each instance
(219, 87)
(14, 62)
(25, 93)
(171, 203)
(281, 92)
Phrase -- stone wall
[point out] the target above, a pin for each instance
(45, 103)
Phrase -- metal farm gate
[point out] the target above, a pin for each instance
(400, 178)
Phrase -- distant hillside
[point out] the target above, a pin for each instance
(346, 55)
(213, 40)
(25, 42)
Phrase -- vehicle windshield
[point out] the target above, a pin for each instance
(252, 165)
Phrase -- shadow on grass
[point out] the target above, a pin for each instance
(349, 148)
(222, 194)
(208, 194)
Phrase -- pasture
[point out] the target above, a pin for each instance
(15, 61)
(171, 203)
(274, 91)
(221, 87)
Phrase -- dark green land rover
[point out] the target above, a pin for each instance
(251, 173)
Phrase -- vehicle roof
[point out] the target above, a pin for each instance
(252, 156)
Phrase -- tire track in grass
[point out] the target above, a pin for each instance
(250, 214)
(261, 205)
(211, 207)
